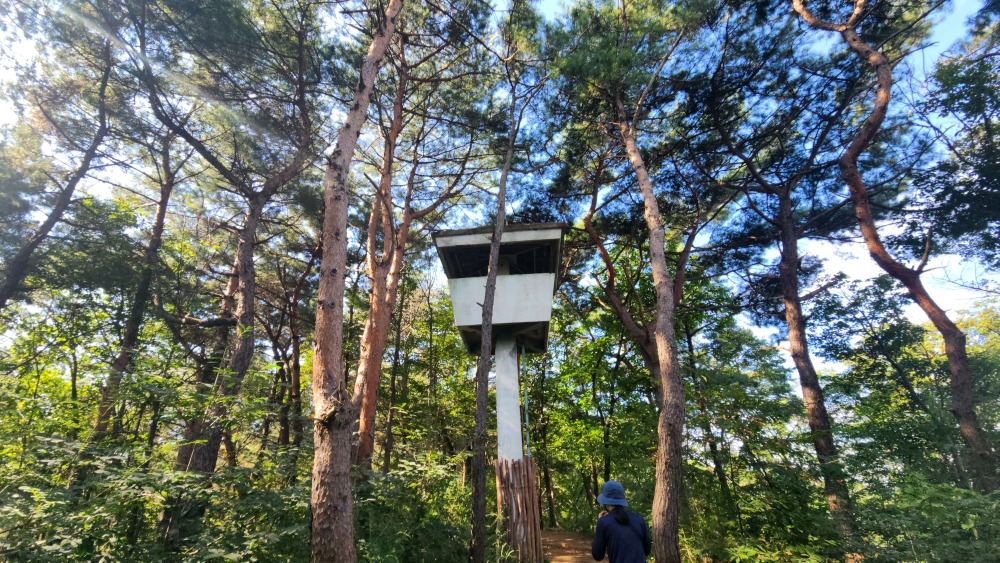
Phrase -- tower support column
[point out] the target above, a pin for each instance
(517, 490)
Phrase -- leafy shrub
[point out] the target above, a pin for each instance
(926, 521)
(417, 513)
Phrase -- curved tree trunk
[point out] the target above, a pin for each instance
(385, 288)
(477, 546)
(982, 459)
(982, 456)
(384, 271)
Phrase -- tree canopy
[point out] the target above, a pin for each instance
(225, 333)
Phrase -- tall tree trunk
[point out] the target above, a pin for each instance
(834, 480)
(373, 341)
(227, 384)
(331, 500)
(179, 513)
(133, 324)
(594, 482)
(448, 448)
(550, 494)
(982, 460)
(17, 265)
(431, 359)
(390, 418)
(384, 269)
(477, 547)
(670, 425)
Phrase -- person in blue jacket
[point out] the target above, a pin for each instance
(620, 533)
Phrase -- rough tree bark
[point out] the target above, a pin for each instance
(385, 268)
(207, 370)
(390, 418)
(670, 425)
(650, 344)
(477, 547)
(982, 460)
(227, 383)
(835, 487)
(834, 480)
(331, 500)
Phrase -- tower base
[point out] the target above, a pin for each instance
(517, 501)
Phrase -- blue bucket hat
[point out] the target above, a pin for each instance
(613, 494)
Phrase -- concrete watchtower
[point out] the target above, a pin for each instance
(526, 280)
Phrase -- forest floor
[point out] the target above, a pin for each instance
(566, 547)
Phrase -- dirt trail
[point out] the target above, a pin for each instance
(566, 547)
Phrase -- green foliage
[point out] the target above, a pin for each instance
(923, 521)
(964, 186)
(416, 513)
(224, 70)
(116, 521)
(22, 184)
(97, 253)
(743, 423)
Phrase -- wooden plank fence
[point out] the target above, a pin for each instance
(517, 494)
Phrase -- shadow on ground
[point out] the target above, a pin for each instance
(566, 547)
